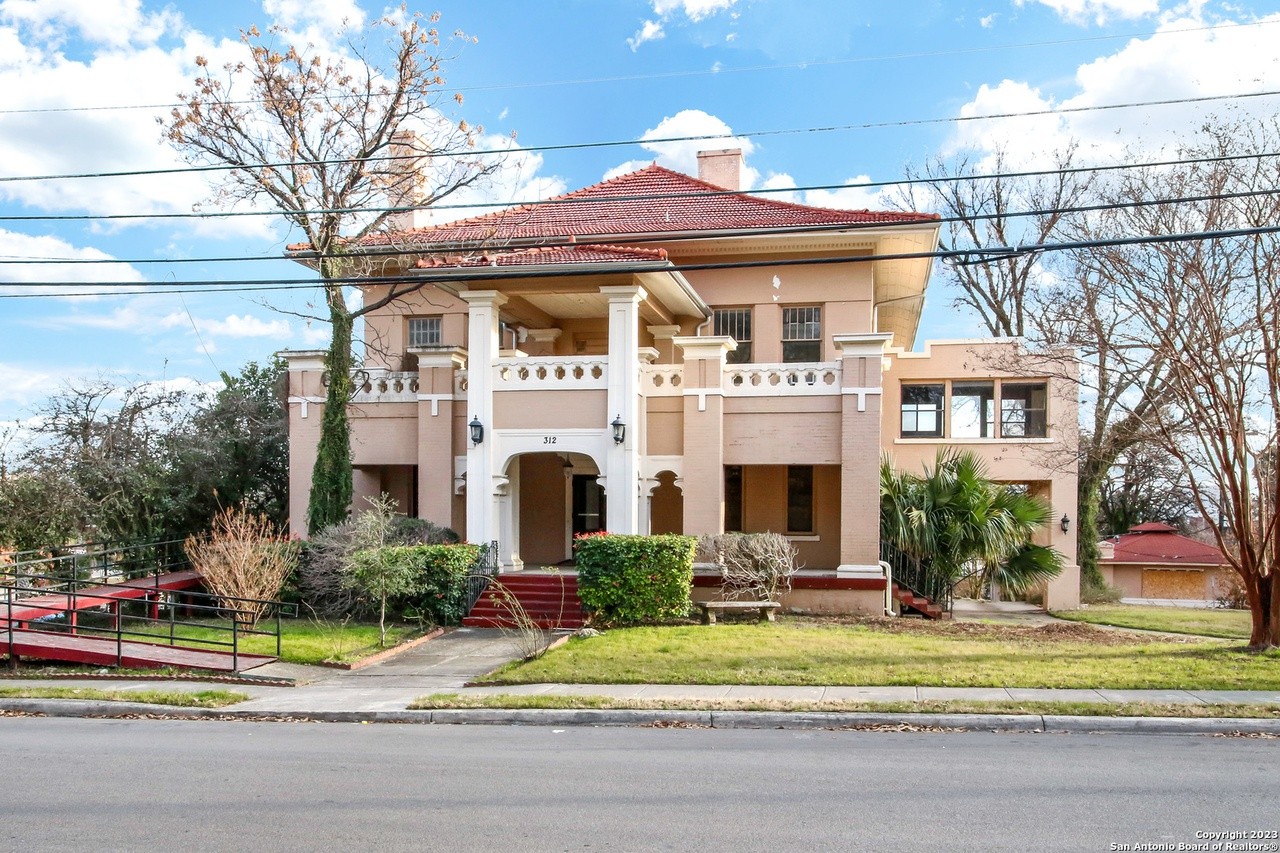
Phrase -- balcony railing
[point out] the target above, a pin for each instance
(378, 385)
(567, 373)
(782, 380)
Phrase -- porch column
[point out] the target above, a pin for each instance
(482, 349)
(622, 461)
(703, 475)
(436, 368)
(861, 372)
(306, 408)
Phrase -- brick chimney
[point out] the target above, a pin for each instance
(722, 168)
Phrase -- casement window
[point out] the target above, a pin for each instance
(425, 331)
(922, 410)
(973, 409)
(732, 498)
(799, 498)
(1023, 411)
(802, 334)
(736, 323)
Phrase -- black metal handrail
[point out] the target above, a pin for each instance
(222, 607)
(104, 561)
(482, 572)
(917, 575)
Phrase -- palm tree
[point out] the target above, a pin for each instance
(954, 516)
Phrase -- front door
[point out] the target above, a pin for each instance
(588, 504)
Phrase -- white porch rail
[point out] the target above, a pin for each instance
(559, 373)
(378, 385)
(810, 379)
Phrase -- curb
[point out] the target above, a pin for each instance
(1031, 723)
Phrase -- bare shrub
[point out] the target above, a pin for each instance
(1229, 592)
(754, 566)
(243, 556)
(530, 638)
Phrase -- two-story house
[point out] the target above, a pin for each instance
(659, 353)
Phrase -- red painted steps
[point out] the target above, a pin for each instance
(549, 599)
(918, 603)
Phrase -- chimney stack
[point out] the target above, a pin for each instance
(722, 168)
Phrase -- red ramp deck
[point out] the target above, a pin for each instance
(98, 651)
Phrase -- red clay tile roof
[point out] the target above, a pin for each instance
(653, 200)
(592, 254)
(1154, 542)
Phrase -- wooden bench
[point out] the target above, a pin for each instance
(711, 608)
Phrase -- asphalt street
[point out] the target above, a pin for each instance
(77, 784)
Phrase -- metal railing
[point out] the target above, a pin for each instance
(101, 561)
(228, 616)
(917, 576)
(482, 572)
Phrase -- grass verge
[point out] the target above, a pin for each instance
(882, 652)
(1076, 709)
(1201, 621)
(175, 698)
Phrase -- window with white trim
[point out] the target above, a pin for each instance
(802, 334)
(425, 331)
(735, 323)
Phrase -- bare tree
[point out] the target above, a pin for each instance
(323, 137)
(1209, 310)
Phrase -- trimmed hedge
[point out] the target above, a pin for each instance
(439, 588)
(635, 578)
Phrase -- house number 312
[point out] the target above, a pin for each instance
(549, 439)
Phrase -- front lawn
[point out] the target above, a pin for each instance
(1205, 622)
(174, 698)
(879, 652)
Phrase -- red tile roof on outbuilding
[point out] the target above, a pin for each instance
(1153, 542)
(653, 200)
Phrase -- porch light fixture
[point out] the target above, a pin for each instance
(1065, 523)
(477, 430)
(619, 430)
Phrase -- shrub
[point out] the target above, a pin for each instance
(430, 580)
(242, 556)
(635, 578)
(755, 566)
(1105, 594)
(1229, 592)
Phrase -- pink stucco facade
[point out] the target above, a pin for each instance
(780, 428)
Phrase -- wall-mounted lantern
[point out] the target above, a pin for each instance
(1065, 523)
(477, 430)
(619, 430)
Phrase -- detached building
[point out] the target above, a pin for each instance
(659, 353)
(1154, 561)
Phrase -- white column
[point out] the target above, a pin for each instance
(482, 349)
(622, 464)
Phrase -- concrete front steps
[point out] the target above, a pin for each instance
(918, 603)
(549, 599)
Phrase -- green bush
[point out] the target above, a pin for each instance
(436, 591)
(635, 578)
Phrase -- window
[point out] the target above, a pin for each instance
(973, 409)
(736, 323)
(799, 498)
(1022, 410)
(922, 411)
(732, 498)
(424, 331)
(802, 334)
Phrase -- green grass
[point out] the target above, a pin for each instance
(898, 652)
(929, 706)
(1205, 622)
(301, 640)
(176, 698)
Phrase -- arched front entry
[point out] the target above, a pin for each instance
(553, 497)
(666, 505)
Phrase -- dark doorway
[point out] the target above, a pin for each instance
(588, 504)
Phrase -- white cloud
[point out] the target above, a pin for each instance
(140, 316)
(850, 197)
(516, 180)
(988, 21)
(244, 326)
(780, 181)
(1174, 64)
(25, 385)
(682, 156)
(1080, 11)
(16, 247)
(116, 23)
(649, 31)
(319, 20)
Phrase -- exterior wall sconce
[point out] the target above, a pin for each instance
(477, 430)
(1065, 523)
(619, 430)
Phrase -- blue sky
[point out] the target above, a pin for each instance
(557, 72)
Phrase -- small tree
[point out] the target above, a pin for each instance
(243, 557)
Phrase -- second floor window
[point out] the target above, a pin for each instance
(1023, 410)
(736, 323)
(922, 410)
(425, 331)
(802, 334)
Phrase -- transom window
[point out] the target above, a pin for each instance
(736, 323)
(922, 410)
(802, 334)
(425, 331)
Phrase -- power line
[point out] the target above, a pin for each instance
(945, 179)
(393, 251)
(487, 273)
(700, 72)
(578, 146)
